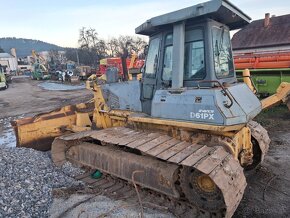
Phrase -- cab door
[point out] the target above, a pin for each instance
(149, 78)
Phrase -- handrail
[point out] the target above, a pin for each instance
(225, 92)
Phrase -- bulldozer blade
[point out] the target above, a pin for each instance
(282, 95)
(38, 132)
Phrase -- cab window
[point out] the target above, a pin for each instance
(223, 61)
(194, 66)
(167, 59)
(152, 58)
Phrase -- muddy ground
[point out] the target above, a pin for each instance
(26, 97)
(268, 190)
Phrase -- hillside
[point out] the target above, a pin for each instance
(25, 46)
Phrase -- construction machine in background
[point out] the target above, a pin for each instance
(84, 72)
(66, 72)
(39, 70)
(132, 64)
(268, 69)
(3, 80)
(186, 127)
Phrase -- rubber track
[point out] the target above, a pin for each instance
(214, 161)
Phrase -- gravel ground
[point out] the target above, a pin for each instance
(100, 206)
(27, 178)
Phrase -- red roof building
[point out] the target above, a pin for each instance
(266, 35)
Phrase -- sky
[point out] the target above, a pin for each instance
(59, 21)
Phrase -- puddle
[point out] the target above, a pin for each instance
(7, 136)
(59, 86)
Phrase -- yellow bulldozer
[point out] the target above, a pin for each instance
(186, 125)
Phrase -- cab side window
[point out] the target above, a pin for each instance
(152, 58)
(223, 60)
(167, 59)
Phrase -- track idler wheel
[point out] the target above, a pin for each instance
(200, 189)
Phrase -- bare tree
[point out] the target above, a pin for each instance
(139, 46)
(88, 38)
(112, 47)
(92, 48)
(125, 44)
(91, 45)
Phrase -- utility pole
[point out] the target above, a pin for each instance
(78, 60)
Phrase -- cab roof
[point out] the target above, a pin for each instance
(219, 10)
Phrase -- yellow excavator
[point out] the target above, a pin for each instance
(187, 124)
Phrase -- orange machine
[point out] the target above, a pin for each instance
(262, 60)
(132, 62)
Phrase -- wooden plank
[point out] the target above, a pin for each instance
(111, 133)
(199, 154)
(162, 147)
(99, 182)
(98, 133)
(81, 176)
(74, 136)
(129, 135)
(131, 138)
(151, 144)
(143, 140)
(179, 157)
(173, 150)
(115, 188)
(108, 184)
(89, 180)
(208, 164)
(115, 137)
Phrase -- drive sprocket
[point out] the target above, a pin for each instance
(201, 190)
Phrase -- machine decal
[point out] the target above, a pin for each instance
(203, 114)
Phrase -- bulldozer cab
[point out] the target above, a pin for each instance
(189, 66)
(190, 48)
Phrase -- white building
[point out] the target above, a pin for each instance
(9, 61)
